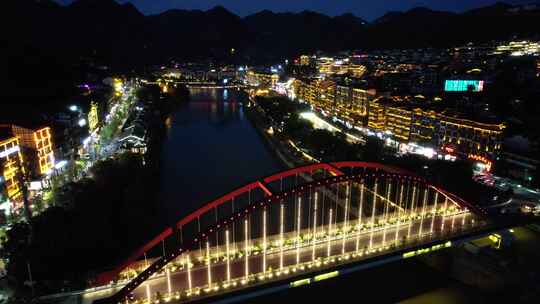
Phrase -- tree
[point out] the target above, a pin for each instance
(373, 149)
(109, 211)
(296, 128)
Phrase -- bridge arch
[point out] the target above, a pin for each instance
(334, 174)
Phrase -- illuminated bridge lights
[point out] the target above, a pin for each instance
(323, 221)
(261, 276)
(293, 269)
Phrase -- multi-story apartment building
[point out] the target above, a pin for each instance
(468, 137)
(36, 147)
(406, 123)
(399, 122)
(11, 164)
(329, 66)
(424, 127)
(360, 100)
(345, 101)
(377, 116)
(258, 78)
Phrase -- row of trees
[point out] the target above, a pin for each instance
(325, 145)
(93, 223)
(101, 221)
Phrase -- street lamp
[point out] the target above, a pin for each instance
(73, 108)
(82, 122)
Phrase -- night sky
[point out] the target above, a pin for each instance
(368, 9)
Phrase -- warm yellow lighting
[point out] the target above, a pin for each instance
(300, 282)
(326, 276)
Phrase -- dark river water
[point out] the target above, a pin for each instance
(211, 149)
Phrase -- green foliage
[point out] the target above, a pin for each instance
(103, 221)
(295, 127)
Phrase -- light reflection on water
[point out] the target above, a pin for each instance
(211, 149)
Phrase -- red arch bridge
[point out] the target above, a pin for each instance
(308, 220)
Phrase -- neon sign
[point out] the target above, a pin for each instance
(463, 85)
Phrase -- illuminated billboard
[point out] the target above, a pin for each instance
(464, 86)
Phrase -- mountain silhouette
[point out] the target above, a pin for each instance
(46, 40)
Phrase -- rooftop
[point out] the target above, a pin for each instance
(5, 132)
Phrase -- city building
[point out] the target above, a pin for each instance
(328, 66)
(399, 123)
(10, 166)
(475, 140)
(360, 100)
(424, 128)
(305, 60)
(133, 139)
(345, 101)
(37, 149)
(259, 78)
(441, 130)
(376, 116)
(518, 48)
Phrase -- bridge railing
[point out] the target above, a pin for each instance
(377, 194)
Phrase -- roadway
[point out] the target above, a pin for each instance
(199, 274)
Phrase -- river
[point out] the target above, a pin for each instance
(211, 149)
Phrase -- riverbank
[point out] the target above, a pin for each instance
(279, 149)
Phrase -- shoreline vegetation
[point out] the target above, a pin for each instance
(98, 221)
(282, 115)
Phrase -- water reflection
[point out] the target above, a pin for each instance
(211, 149)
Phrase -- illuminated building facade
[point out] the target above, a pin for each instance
(360, 100)
(319, 93)
(10, 166)
(376, 117)
(464, 86)
(324, 65)
(356, 70)
(349, 103)
(37, 147)
(305, 60)
(329, 66)
(472, 140)
(398, 122)
(255, 78)
(470, 137)
(118, 86)
(424, 127)
(519, 48)
(343, 96)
